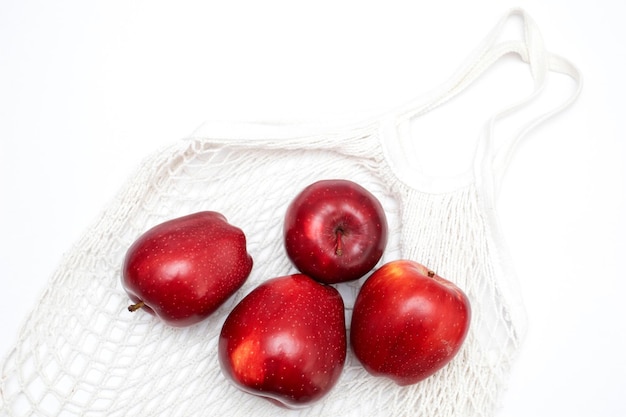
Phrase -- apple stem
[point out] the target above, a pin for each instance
(339, 247)
(135, 307)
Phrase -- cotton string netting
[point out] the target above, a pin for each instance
(80, 351)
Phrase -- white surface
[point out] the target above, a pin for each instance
(88, 89)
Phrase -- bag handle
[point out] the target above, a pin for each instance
(486, 54)
(541, 62)
(493, 158)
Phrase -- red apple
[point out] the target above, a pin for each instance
(335, 231)
(285, 341)
(408, 322)
(182, 270)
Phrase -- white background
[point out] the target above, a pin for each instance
(88, 89)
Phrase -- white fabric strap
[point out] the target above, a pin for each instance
(541, 62)
(486, 54)
(502, 154)
(493, 158)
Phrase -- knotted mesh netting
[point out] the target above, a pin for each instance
(81, 352)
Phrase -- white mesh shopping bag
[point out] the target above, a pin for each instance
(80, 352)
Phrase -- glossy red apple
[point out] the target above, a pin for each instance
(335, 231)
(408, 322)
(285, 341)
(182, 270)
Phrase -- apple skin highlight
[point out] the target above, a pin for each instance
(183, 269)
(285, 341)
(335, 231)
(408, 322)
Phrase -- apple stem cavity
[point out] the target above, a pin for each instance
(339, 246)
(136, 306)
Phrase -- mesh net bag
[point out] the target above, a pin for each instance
(80, 352)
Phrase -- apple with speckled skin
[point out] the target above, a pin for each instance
(285, 341)
(183, 269)
(408, 322)
(335, 231)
